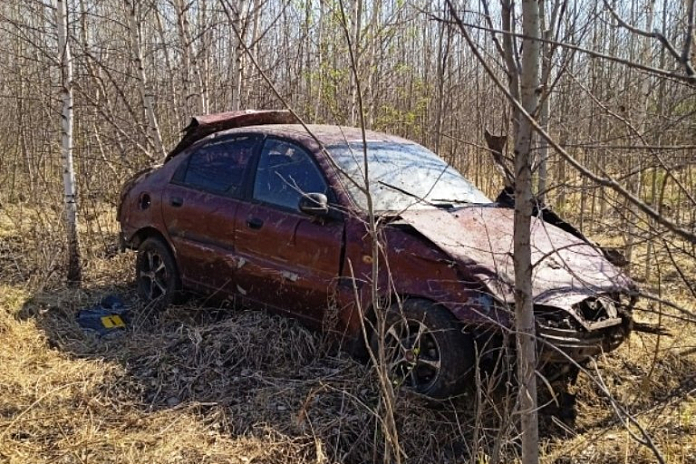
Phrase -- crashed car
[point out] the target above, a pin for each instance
(252, 206)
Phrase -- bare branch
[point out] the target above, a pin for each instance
(690, 79)
(682, 59)
(604, 181)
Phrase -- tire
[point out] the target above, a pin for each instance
(156, 274)
(439, 362)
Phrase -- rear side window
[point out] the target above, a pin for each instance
(219, 166)
(286, 172)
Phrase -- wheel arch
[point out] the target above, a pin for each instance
(395, 298)
(455, 346)
(150, 232)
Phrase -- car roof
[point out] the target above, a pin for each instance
(278, 122)
(324, 133)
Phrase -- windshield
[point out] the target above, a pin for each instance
(403, 175)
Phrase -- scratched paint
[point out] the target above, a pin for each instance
(291, 276)
(460, 258)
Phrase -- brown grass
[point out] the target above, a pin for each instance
(203, 384)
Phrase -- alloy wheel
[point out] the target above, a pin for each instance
(154, 275)
(413, 354)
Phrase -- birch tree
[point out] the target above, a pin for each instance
(70, 199)
(145, 94)
(195, 98)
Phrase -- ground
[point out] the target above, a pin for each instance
(201, 384)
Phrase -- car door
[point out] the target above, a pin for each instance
(289, 260)
(199, 208)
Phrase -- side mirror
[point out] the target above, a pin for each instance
(314, 204)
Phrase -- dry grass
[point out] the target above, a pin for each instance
(209, 385)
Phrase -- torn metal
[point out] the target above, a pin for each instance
(202, 126)
(447, 250)
(569, 275)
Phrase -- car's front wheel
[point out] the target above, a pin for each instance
(425, 349)
(157, 276)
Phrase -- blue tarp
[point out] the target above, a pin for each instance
(110, 316)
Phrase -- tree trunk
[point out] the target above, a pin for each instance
(192, 93)
(175, 105)
(145, 94)
(524, 308)
(74, 269)
(356, 32)
(238, 55)
(635, 182)
(545, 103)
(513, 69)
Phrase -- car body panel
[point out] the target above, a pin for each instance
(565, 268)
(202, 231)
(287, 260)
(320, 268)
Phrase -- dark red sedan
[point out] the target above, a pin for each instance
(256, 208)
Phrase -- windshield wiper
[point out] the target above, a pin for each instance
(447, 200)
(413, 195)
(400, 190)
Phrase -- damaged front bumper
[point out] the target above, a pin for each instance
(594, 326)
(563, 345)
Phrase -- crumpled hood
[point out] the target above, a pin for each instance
(566, 270)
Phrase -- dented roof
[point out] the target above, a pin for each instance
(202, 126)
(278, 122)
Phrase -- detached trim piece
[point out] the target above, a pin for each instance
(202, 126)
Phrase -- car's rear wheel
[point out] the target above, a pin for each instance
(157, 275)
(425, 349)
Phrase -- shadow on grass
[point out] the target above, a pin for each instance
(244, 372)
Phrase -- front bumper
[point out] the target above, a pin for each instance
(561, 345)
(594, 326)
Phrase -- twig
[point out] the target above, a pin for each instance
(682, 59)
(603, 181)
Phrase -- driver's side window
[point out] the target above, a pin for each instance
(285, 172)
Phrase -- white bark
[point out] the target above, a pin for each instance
(356, 32)
(256, 12)
(193, 96)
(234, 13)
(237, 67)
(145, 93)
(202, 69)
(181, 121)
(66, 63)
(524, 308)
(511, 63)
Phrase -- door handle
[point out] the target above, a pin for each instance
(176, 201)
(254, 223)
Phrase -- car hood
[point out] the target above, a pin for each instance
(566, 269)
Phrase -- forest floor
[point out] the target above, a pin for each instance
(200, 384)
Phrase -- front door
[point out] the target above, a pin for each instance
(288, 260)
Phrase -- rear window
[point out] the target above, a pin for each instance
(219, 166)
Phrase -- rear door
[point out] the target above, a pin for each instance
(288, 260)
(199, 208)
